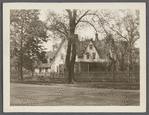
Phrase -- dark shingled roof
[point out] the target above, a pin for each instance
(50, 54)
(102, 48)
(80, 49)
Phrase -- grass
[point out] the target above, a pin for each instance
(65, 95)
(109, 85)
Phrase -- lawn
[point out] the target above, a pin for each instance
(72, 95)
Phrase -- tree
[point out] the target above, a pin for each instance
(103, 19)
(28, 33)
(122, 30)
(127, 28)
(65, 26)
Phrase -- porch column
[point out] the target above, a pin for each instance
(79, 67)
(88, 67)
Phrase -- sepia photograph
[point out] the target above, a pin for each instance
(72, 57)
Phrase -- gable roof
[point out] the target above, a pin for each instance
(81, 47)
(80, 50)
(63, 40)
(102, 48)
(50, 54)
(99, 46)
(55, 54)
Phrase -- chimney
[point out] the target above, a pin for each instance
(96, 37)
(55, 46)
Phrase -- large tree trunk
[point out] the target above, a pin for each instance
(73, 56)
(68, 66)
(71, 49)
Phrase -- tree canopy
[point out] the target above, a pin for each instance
(120, 29)
(27, 33)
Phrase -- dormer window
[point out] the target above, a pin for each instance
(87, 56)
(91, 46)
(46, 69)
(94, 55)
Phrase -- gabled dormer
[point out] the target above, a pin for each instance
(87, 52)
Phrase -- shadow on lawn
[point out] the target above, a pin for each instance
(104, 85)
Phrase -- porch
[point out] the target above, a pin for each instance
(90, 67)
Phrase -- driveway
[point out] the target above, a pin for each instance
(67, 95)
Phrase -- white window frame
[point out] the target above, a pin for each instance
(87, 56)
(94, 55)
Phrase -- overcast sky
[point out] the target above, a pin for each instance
(87, 32)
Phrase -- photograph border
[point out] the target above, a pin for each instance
(6, 62)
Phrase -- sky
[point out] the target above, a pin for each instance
(87, 32)
(83, 33)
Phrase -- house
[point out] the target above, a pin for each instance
(89, 56)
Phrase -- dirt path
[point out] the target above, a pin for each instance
(56, 95)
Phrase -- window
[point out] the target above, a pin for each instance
(50, 60)
(87, 55)
(57, 69)
(91, 46)
(42, 70)
(46, 69)
(62, 56)
(39, 69)
(94, 55)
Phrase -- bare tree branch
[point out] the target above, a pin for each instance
(100, 21)
(82, 16)
(90, 24)
(64, 27)
(119, 33)
(61, 31)
(58, 30)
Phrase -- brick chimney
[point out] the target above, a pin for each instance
(96, 37)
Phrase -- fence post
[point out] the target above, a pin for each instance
(128, 73)
(113, 76)
(88, 67)
(113, 72)
(79, 67)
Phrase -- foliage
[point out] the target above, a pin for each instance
(65, 26)
(122, 32)
(27, 33)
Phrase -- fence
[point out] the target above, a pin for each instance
(85, 77)
(107, 77)
(50, 77)
(90, 77)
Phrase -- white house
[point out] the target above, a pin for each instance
(87, 56)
